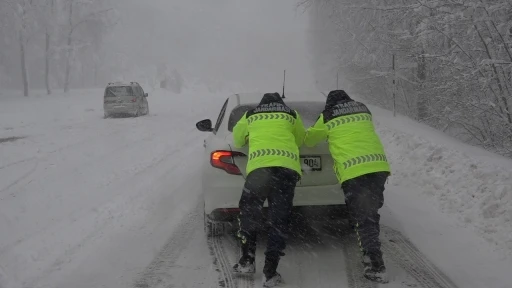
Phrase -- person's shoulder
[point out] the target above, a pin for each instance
(294, 113)
(250, 112)
(363, 105)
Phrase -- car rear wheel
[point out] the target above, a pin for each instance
(213, 228)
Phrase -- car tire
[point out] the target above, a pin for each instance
(213, 228)
(106, 116)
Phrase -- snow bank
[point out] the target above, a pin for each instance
(467, 182)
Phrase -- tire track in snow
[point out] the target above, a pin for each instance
(17, 162)
(346, 240)
(222, 264)
(354, 267)
(59, 150)
(67, 254)
(403, 253)
(80, 213)
(20, 179)
(3, 278)
(156, 273)
(242, 280)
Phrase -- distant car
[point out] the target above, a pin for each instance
(125, 99)
(224, 166)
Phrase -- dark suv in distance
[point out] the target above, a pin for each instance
(125, 99)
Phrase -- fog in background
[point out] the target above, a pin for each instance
(218, 42)
(251, 42)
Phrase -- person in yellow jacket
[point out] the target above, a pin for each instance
(274, 133)
(362, 168)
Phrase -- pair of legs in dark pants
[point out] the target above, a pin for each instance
(364, 196)
(277, 185)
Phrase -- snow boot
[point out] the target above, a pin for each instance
(272, 281)
(270, 276)
(374, 269)
(245, 265)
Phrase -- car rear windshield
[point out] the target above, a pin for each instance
(118, 91)
(309, 112)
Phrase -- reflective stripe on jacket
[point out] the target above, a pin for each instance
(274, 133)
(353, 142)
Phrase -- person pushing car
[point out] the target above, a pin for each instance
(274, 133)
(361, 167)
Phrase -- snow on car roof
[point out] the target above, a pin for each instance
(123, 84)
(254, 98)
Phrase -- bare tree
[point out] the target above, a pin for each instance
(23, 10)
(454, 60)
(50, 28)
(79, 13)
(60, 31)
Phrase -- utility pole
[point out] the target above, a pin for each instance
(394, 87)
(337, 79)
(284, 82)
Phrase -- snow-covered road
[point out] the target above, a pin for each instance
(90, 199)
(93, 202)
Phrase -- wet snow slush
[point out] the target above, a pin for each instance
(319, 254)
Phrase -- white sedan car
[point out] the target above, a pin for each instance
(224, 166)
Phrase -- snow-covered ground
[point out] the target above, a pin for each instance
(93, 202)
(468, 182)
(82, 197)
(454, 201)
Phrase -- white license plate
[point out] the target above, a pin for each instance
(312, 162)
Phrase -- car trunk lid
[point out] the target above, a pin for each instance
(316, 163)
(119, 96)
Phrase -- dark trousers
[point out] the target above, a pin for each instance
(364, 196)
(277, 185)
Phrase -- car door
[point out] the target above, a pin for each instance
(144, 100)
(220, 118)
(140, 97)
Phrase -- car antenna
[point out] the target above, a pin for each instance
(284, 82)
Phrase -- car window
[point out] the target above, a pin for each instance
(221, 116)
(308, 111)
(116, 91)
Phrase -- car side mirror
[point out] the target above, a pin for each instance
(204, 125)
(146, 95)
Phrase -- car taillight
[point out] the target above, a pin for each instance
(224, 160)
(134, 100)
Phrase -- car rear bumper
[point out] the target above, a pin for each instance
(125, 108)
(221, 200)
(320, 212)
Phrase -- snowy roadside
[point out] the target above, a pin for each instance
(471, 239)
(467, 182)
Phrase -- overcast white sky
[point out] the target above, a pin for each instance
(250, 41)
